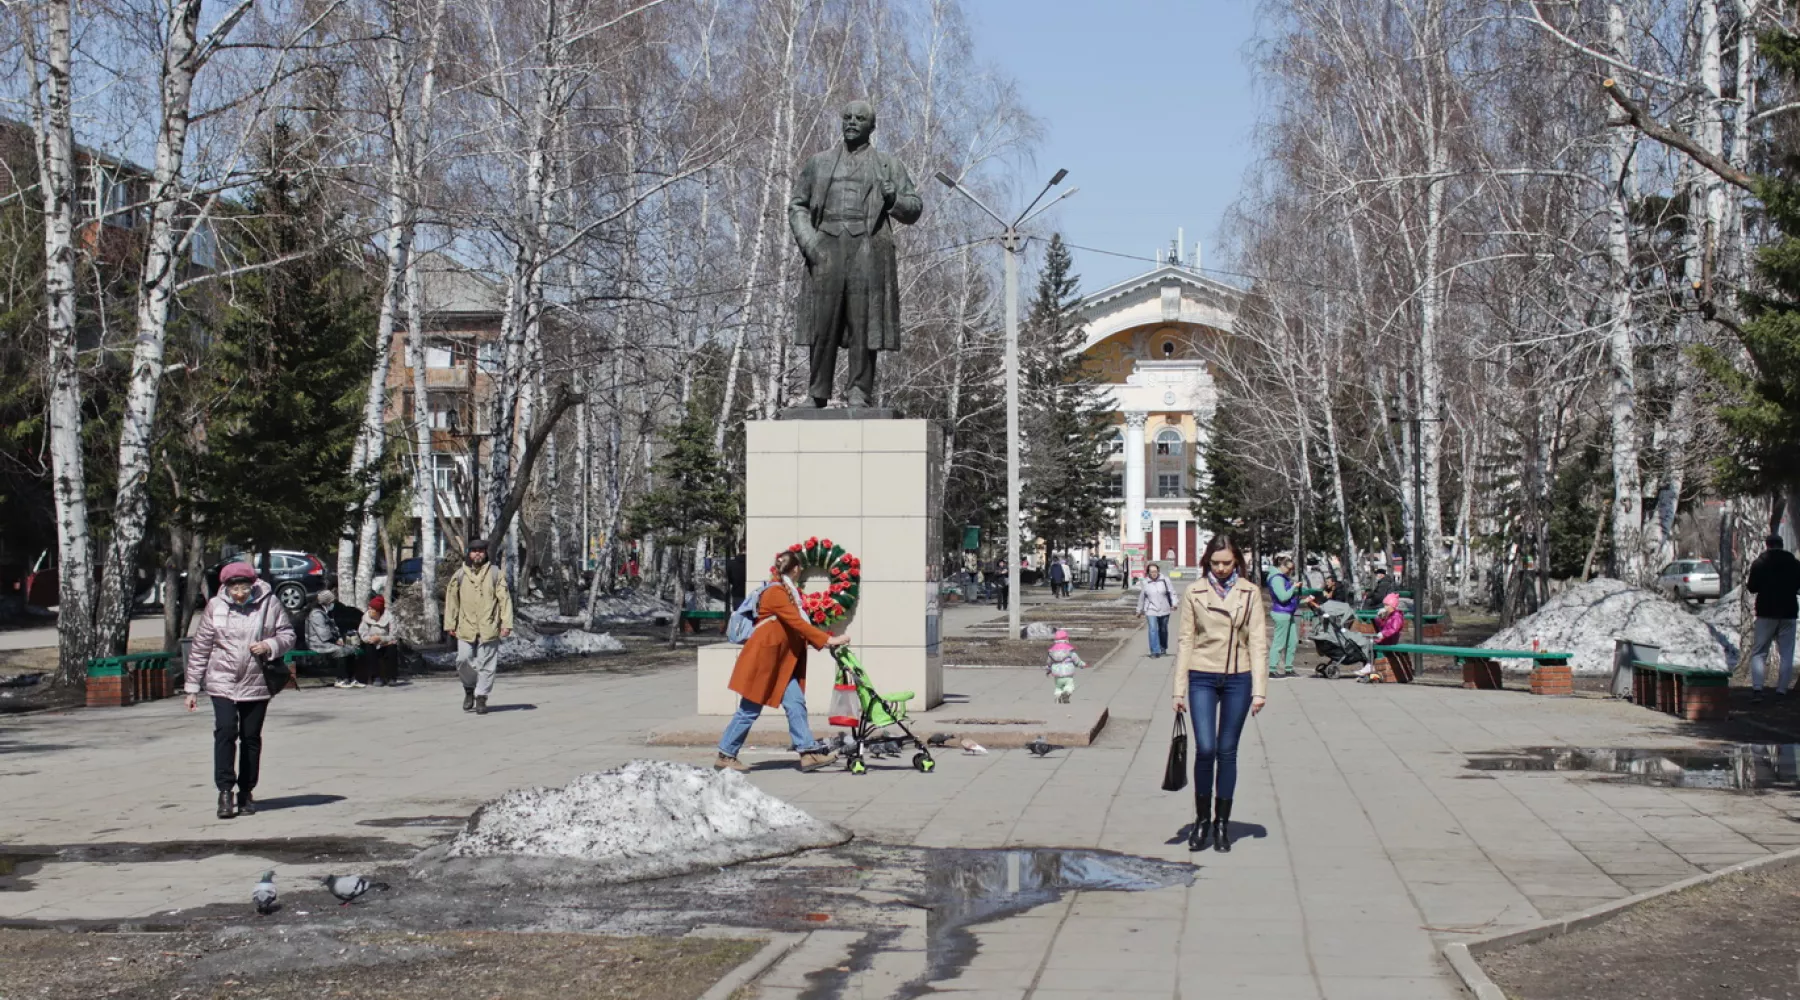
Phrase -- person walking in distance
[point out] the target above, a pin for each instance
(242, 627)
(1221, 671)
(1156, 602)
(1284, 596)
(478, 613)
(1775, 580)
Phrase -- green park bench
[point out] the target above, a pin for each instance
(1693, 693)
(1550, 673)
(691, 621)
(129, 679)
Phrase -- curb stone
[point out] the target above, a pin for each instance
(1462, 955)
(776, 946)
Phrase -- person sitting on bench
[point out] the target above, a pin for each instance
(1389, 623)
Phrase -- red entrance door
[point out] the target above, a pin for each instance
(1166, 536)
(1193, 544)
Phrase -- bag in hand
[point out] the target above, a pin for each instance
(276, 674)
(1175, 773)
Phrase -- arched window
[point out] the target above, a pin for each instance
(1169, 442)
(1118, 443)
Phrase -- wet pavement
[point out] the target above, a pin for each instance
(1741, 767)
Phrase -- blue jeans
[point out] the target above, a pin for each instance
(1159, 634)
(1219, 704)
(793, 702)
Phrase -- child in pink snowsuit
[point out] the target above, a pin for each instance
(1389, 623)
(1062, 664)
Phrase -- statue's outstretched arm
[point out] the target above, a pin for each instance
(908, 206)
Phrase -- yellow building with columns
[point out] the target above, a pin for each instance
(1144, 337)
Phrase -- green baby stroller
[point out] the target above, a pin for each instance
(858, 707)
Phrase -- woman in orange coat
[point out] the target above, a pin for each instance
(771, 669)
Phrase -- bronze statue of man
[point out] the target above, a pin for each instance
(840, 210)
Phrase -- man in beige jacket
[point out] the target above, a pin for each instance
(477, 614)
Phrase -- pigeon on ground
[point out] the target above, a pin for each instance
(348, 887)
(264, 894)
(1039, 748)
(883, 748)
(939, 739)
(970, 746)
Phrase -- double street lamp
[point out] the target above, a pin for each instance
(1014, 244)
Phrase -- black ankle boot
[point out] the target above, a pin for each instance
(227, 808)
(468, 699)
(1222, 827)
(246, 805)
(1202, 831)
(481, 704)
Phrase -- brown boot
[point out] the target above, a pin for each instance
(724, 763)
(817, 759)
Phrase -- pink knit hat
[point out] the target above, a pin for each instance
(1391, 602)
(1062, 633)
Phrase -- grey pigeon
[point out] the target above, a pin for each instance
(264, 894)
(939, 739)
(348, 887)
(884, 748)
(1039, 748)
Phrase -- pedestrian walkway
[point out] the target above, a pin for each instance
(1364, 840)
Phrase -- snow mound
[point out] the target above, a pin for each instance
(527, 645)
(1727, 618)
(1040, 630)
(1586, 618)
(648, 819)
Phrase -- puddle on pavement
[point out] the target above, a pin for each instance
(399, 822)
(965, 888)
(1744, 767)
(287, 851)
(14, 863)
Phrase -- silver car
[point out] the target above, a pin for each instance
(1690, 580)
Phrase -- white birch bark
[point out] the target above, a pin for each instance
(51, 82)
(183, 54)
(1627, 512)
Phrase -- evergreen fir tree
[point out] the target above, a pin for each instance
(1222, 502)
(694, 498)
(1066, 418)
(290, 360)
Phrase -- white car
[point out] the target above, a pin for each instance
(1690, 580)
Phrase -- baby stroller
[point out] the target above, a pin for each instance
(1336, 640)
(857, 706)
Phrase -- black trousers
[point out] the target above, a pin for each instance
(844, 295)
(379, 663)
(237, 728)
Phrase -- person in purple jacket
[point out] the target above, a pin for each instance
(240, 627)
(1284, 600)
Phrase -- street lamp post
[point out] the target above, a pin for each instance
(1013, 242)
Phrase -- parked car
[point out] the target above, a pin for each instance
(1690, 580)
(411, 571)
(296, 576)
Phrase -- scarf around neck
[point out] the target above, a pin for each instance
(1219, 587)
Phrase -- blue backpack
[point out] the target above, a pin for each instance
(743, 620)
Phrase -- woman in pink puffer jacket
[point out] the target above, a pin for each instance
(242, 625)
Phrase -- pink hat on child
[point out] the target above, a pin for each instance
(1062, 634)
(1391, 601)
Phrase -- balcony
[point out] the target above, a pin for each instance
(456, 377)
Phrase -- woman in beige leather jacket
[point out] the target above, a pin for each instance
(1222, 673)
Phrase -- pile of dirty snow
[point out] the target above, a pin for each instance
(1727, 617)
(527, 645)
(1585, 619)
(648, 819)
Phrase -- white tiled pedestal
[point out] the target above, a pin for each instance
(872, 487)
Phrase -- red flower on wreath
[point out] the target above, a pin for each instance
(842, 573)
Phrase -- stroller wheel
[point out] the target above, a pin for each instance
(1330, 670)
(924, 763)
(858, 767)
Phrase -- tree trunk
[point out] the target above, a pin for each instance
(51, 92)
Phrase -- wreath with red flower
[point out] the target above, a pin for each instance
(843, 570)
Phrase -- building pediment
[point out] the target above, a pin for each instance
(1167, 294)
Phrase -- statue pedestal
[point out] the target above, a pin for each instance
(873, 487)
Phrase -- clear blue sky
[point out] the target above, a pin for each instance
(1148, 103)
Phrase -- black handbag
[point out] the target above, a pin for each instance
(276, 675)
(1175, 773)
